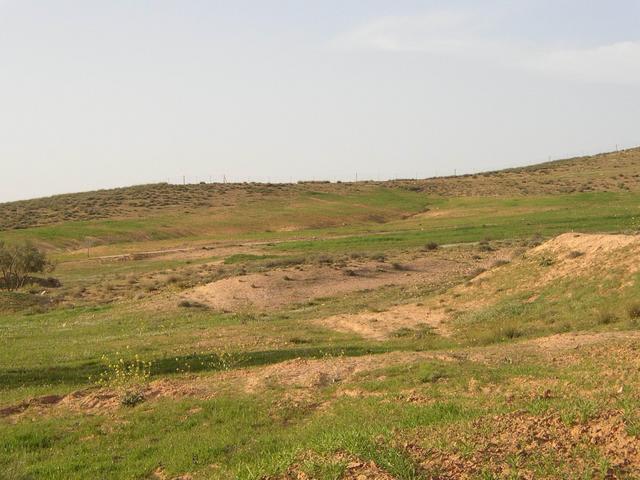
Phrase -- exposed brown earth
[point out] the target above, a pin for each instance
(275, 289)
(546, 446)
(577, 254)
(382, 325)
(355, 469)
(101, 400)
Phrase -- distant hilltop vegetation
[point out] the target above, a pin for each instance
(606, 172)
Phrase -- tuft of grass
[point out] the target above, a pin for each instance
(546, 261)
(245, 257)
(606, 317)
(403, 332)
(477, 271)
(132, 398)
(633, 311)
(433, 376)
(500, 262)
(399, 266)
(511, 332)
(191, 304)
(431, 246)
(485, 246)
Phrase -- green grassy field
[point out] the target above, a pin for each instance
(59, 351)
(510, 359)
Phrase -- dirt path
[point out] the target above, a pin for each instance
(234, 247)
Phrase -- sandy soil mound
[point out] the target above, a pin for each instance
(278, 288)
(382, 325)
(578, 254)
(587, 243)
(606, 258)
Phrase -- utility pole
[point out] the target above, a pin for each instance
(184, 180)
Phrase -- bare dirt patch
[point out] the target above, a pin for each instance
(578, 254)
(275, 289)
(587, 243)
(315, 373)
(382, 325)
(354, 468)
(574, 340)
(560, 349)
(104, 400)
(521, 445)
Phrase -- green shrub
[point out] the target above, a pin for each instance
(19, 261)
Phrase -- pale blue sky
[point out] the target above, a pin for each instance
(96, 94)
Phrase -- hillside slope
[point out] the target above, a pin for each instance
(610, 172)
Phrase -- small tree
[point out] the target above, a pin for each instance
(17, 262)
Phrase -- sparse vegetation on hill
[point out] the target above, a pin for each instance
(609, 172)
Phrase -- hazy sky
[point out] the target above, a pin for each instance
(109, 93)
